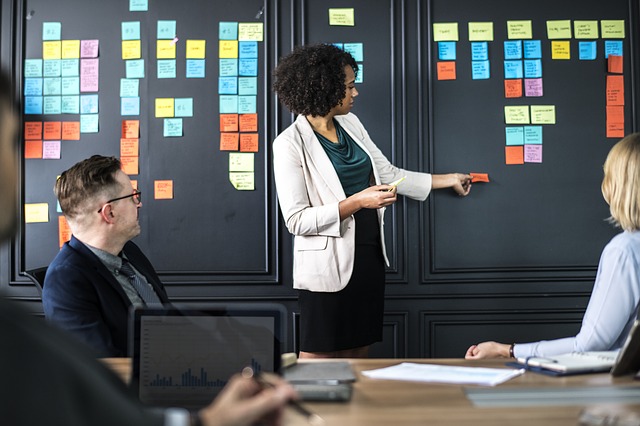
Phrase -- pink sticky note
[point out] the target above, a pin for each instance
(533, 153)
(89, 48)
(533, 87)
(51, 150)
(89, 73)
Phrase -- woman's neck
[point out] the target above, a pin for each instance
(322, 124)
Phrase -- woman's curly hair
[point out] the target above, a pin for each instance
(310, 80)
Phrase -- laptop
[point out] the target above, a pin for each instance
(183, 356)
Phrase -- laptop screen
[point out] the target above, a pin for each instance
(182, 357)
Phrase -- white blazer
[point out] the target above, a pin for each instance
(309, 191)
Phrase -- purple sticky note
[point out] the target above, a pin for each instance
(89, 48)
(533, 153)
(533, 87)
(89, 73)
(51, 150)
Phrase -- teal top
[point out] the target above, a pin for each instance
(350, 161)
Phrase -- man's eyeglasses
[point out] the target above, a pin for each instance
(136, 197)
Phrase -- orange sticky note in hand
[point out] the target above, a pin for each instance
(249, 142)
(514, 154)
(70, 130)
(248, 122)
(447, 70)
(64, 232)
(513, 88)
(130, 129)
(33, 130)
(130, 165)
(229, 141)
(228, 122)
(163, 189)
(614, 64)
(33, 149)
(52, 130)
(479, 177)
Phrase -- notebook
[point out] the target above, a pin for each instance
(184, 356)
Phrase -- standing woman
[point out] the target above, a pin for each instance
(329, 177)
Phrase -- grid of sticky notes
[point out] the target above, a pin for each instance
(134, 68)
(238, 93)
(356, 50)
(172, 110)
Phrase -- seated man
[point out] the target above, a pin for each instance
(97, 276)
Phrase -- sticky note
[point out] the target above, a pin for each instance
(163, 189)
(64, 231)
(33, 86)
(228, 67)
(164, 107)
(615, 90)
(70, 49)
(33, 104)
(195, 68)
(166, 68)
(516, 114)
(560, 50)
(559, 29)
(445, 31)
(615, 64)
(533, 153)
(131, 49)
(342, 16)
(242, 181)
(70, 104)
(52, 130)
(612, 47)
(130, 106)
(196, 49)
(612, 28)
(165, 49)
(89, 75)
(248, 67)
(513, 69)
(51, 30)
(33, 67)
(480, 31)
(51, 150)
(70, 67)
(246, 104)
(241, 162)
(229, 141)
(248, 123)
(532, 49)
(228, 49)
(70, 130)
(249, 142)
(134, 68)
(543, 114)
(250, 31)
(70, 85)
(130, 129)
(615, 121)
(585, 29)
(172, 127)
(514, 135)
(129, 87)
(479, 177)
(36, 212)
(228, 122)
(89, 123)
(32, 130)
(138, 5)
(130, 30)
(228, 104)
(532, 135)
(513, 49)
(446, 70)
(51, 68)
(514, 154)
(52, 105)
(89, 48)
(33, 149)
(130, 165)
(129, 147)
(533, 87)
(247, 86)
(228, 31)
(228, 85)
(52, 86)
(249, 49)
(480, 70)
(519, 30)
(587, 50)
(183, 107)
(360, 74)
(51, 50)
(356, 50)
(166, 30)
(479, 51)
(532, 68)
(447, 50)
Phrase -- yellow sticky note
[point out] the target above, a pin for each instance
(480, 31)
(164, 107)
(253, 31)
(166, 49)
(543, 114)
(241, 162)
(516, 114)
(228, 49)
(519, 30)
(196, 49)
(445, 31)
(51, 49)
(585, 29)
(36, 213)
(560, 50)
(612, 29)
(559, 29)
(131, 49)
(342, 16)
(242, 181)
(70, 49)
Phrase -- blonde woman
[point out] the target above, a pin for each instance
(616, 293)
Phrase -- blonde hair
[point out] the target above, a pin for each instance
(621, 183)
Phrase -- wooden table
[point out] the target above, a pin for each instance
(385, 402)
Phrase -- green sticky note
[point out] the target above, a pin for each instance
(70, 67)
(172, 127)
(51, 68)
(228, 104)
(70, 85)
(247, 86)
(33, 67)
(52, 86)
(129, 87)
(166, 30)
(131, 30)
(183, 107)
(51, 30)
(89, 123)
(514, 135)
(52, 105)
(70, 105)
(135, 68)
(138, 5)
(166, 68)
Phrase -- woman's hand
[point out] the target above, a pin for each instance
(460, 182)
(487, 350)
(374, 197)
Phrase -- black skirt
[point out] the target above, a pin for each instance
(351, 317)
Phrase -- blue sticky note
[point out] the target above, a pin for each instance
(172, 128)
(70, 85)
(52, 105)
(228, 31)
(338, 45)
(228, 104)
(247, 104)
(513, 49)
(135, 68)
(612, 47)
(532, 68)
(71, 104)
(58, 208)
(248, 67)
(247, 86)
(166, 30)
(138, 5)
(183, 107)
(515, 135)
(532, 49)
(51, 31)
(480, 70)
(88, 104)
(479, 51)
(89, 123)
(360, 73)
(33, 86)
(228, 85)
(533, 135)
(70, 67)
(52, 86)
(129, 106)
(512, 69)
(33, 67)
(195, 68)
(33, 105)
(131, 30)
(248, 49)
(166, 68)
(51, 68)
(228, 67)
(588, 50)
(356, 50)
(447, 50)
(129, 87)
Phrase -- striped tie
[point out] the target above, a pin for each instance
(144, 290)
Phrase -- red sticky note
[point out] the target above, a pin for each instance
(614, 64)
(33, 130)
(130, 129)
(130, 165)
(70, 130)
(53, 130)
(447, 70)
(479, 177)
(33, 149)
(248, 122)
(129, 147)
(249, 142)
(163, 189)
(228, 122)
(513, 88)
(229, 141)
(64, 232)
(615, 90)
(615, 121)
(514, 154)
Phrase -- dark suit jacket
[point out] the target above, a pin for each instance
(81, 296)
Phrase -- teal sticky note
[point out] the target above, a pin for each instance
(33, 67)
(58, 208)
(129, 87)
(447, 50)
(248, 67)
(228, 31)
(166, 68)
(183, 107)
(71, 104)
(248, 49)
(138, 5)
(612, 47)
(172, 128)
(514, 135)
(513, 69)
(532, 68)
(513, 49)
(51, 31)
(195, 68)
(228, 85)
(135, 68)
(533, 135)
(228, 104)
(33, 105)
(357, 51)
(532, 49)
(52, 105)
(166, 30)
(130, 30)
(52, 86)
(247, 86)
(51, 68)
(70, 67)
(338, 45)
(33, 86)
(228, 67)
(88, 104)
(587, 50)
(129, 106)
(479, 51)
(70, 85)
(360, 74)
(480, 70)
(247, 104)
(89, 123)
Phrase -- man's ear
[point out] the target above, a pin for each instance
(107, 213)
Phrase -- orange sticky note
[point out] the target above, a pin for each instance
(130, 128)
(129, 147)
(229, 141)
(614, 64)
(33, 149)
(70, 130)
(447, 70)
(130, 165)
(615, 121)
(479, 177)
(134, 184)
(32, 130)
(248, 122)
(53, 130)
(615, 90)
(514, 154)
(163, 189)
(64, 232)
(513, 88)
(249, 142)
(228, 122)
